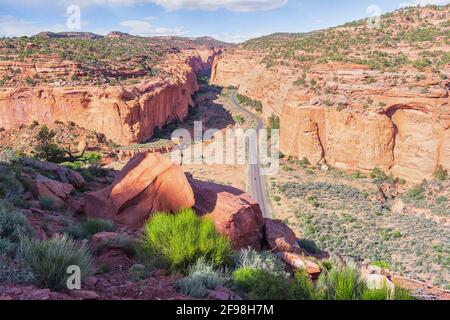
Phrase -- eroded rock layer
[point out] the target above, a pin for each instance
(352, 103)
(124, 114)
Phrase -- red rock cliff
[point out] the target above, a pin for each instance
(124, 114)
(350, 123)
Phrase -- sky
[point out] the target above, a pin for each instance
(226, 20)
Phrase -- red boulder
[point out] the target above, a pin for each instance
(235, 213)
(147, 184)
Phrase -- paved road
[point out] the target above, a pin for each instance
(257, 187)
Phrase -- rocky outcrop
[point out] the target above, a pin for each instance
(124, 114)
(299, 262)
(280, 237)
(147, 184)
(235, 214)
(44, 188)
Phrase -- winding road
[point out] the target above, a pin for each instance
(257, 187)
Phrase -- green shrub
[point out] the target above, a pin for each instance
(343, 283)
(239, 119)
(252, 259)
(48, 260)
(381, 264)
(13, 224)
(139, 272)
(10, 185)
(441, 199)
(376, 294)
(262, 285)
(417, 193)
(46, 203)
(385, 293)
(201, 277)
(93, 226)
(309, 246)
(12, 272)
(6, 247)
(87, 228)
(302, 287)
(183, 238)
(45, 148)
(441, 174)
(402, 294)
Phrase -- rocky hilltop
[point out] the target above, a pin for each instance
(122, 88)
(355, 97)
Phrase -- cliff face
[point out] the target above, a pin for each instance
(124, 114)
(359, 119)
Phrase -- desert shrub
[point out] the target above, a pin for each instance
(12, 272)
(401, 294)
(441, 174)
(183, 238)
(89, 227)
(45, 148)
(201, 276)
(417, 193)
(379, 176)
(139, 272)
(441, 199)
(47, 203)
(302, 287)
(239, 119)
(6, 247)
(382, 264)
(13, 224)
(262, 285)
(385, 293)
(274, 122)
(48, 260)
(93, 226)
(10, 185)
(343, 283)
(252, 259)
(376, 294)
(308, 245)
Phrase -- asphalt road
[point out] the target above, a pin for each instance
(257, 187)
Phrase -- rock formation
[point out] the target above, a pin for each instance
(234, 212)
(125, 114)
(147, 184)
(356, 114)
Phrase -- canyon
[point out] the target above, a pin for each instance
(125, 114)
(350, 115)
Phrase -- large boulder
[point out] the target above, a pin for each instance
(44, 188)
(235, 213)
(147, 184)
(298, 262)
(63, 174)
(280, 237)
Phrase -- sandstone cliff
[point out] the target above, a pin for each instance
(124, 114)
(355, 106)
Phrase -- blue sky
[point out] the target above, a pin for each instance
(228, 20)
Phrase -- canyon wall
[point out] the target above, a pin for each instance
(125, 114)
(347, 121)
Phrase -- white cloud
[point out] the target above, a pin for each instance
(13, 27)
(414, 3)
(238, 37)
(233, 5)
(145, 28)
